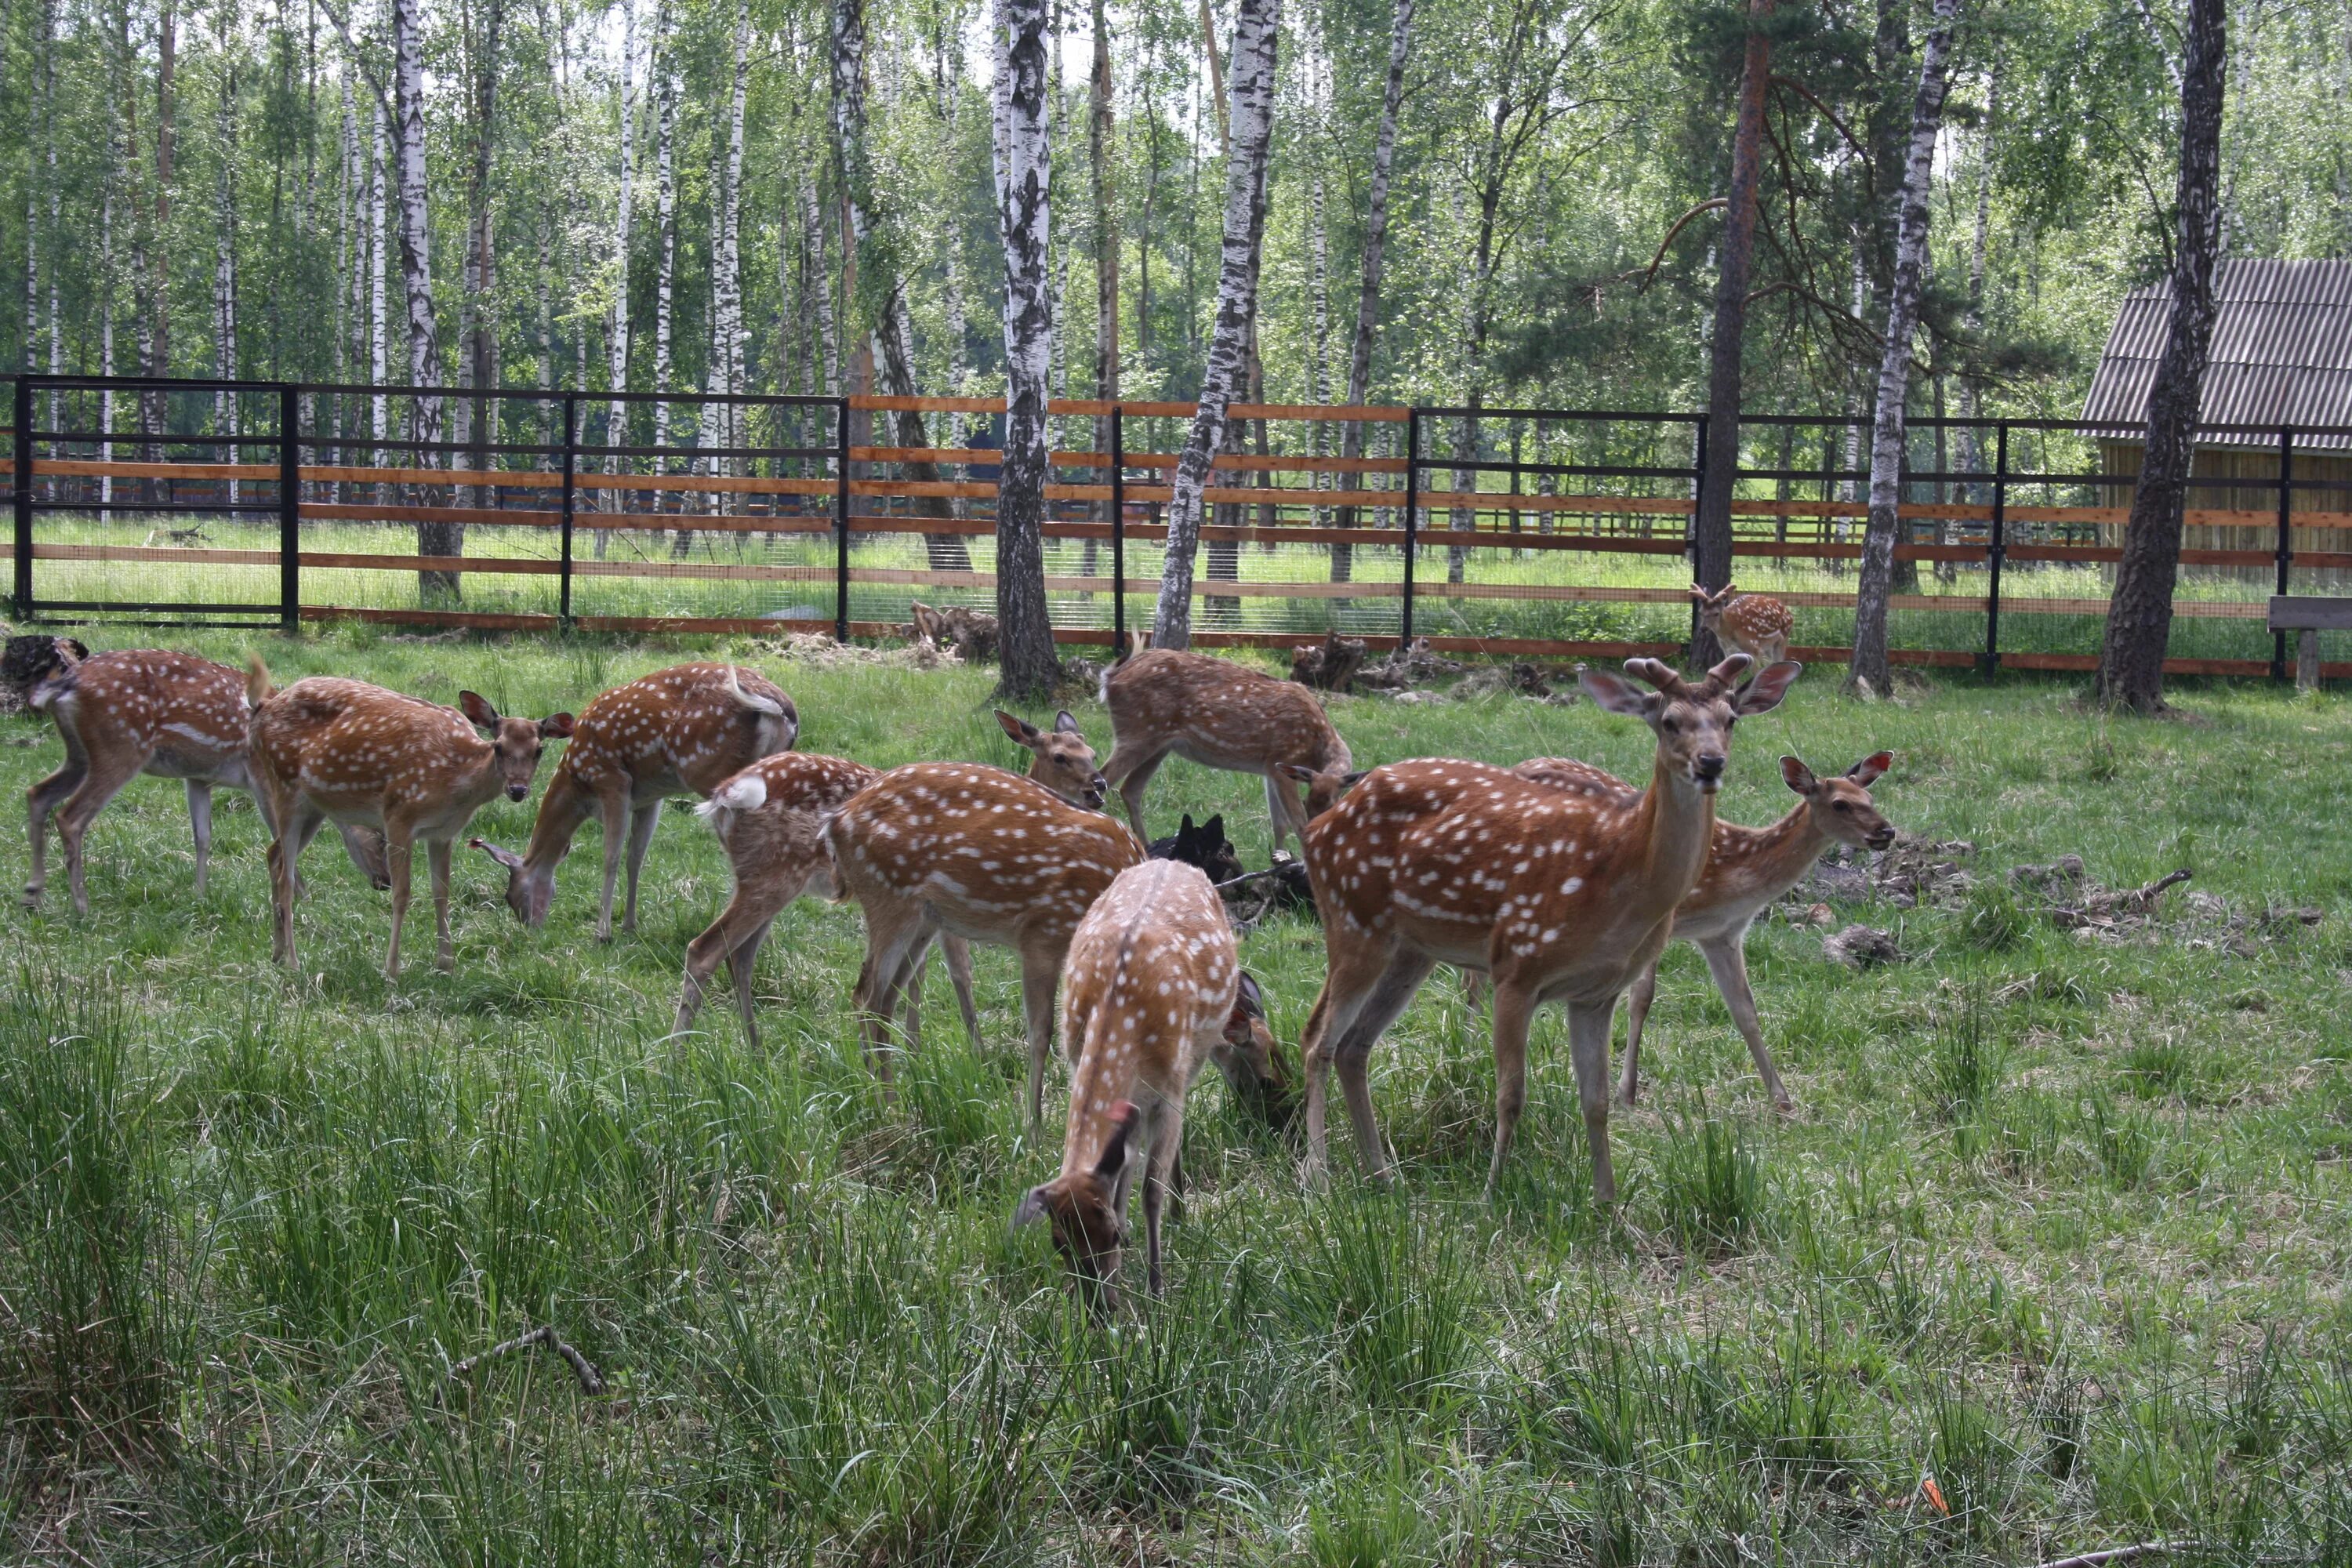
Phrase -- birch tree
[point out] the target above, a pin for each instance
(2139, 612)
(1250, 115)
(1375, 254)
(727, 273)
(477, 338)
(1874, 584)
(416, 273)
(225, 408)
(663, 87)
(616, 342)
(1028, 666)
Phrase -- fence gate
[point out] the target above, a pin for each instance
(145, 499)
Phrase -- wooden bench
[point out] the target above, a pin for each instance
(2308, 618)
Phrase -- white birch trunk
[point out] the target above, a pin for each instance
(225, 408)
(415, 260)
(665, 94)
(723, 425)
(616, 344)
(951, 241)
(1971, 454)
(1368, 292)
(379, 312)
(821, 294)
(1877, 574)
(1256, 28)
(1025, 183)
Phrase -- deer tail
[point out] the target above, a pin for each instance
(745, 791)
(752, 701)
(257, 680)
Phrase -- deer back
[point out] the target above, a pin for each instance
(770, 816)
(190, 713)
(1149, 984)
(358, 749)
(695, 724)
(1218, 713)
(1757, 620)
(996, 857)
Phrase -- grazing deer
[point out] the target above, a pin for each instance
(1560, 896)
(691, 728)
(1155, 990)
(144, 710)
(329, 747)
(984, 855)
(1746, 622)
(1220, 715)
(771, 819)
(1746, 870)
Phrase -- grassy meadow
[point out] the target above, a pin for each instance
(2051, 1258)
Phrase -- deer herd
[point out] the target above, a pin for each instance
(1556, 882)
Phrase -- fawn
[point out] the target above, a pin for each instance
(1557, 896)
(690, 728)
(145, 710)
(1220, 715)
(1751, 624)
(771, 819)
(1155, 989)
(329, 747)
(984, 855)
(1746, 870)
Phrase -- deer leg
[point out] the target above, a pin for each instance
(1158, 1179)
(295, 824)
(1041, 974)
(1588, 1049)
(1728, 962)
(365, 847)
(1131, 769)
(612, 808)
(958, 954)
(1283, 810)
(1348, 981)
(1637, 1013)
(436, 858)
(1391, 995)
(742, 965)
(743, 924)
(102, 782)
(200, 826)
(642, 820)
(1515, 1008)
(400, 854)
(41, 800)
(893, 927)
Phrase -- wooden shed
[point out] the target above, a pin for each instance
(2282, 358)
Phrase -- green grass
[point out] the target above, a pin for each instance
(2060, 1224)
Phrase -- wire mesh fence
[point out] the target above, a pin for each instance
(1514, 531)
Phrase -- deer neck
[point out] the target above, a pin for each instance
(1674, 827)
(1760, 864)
(560, 812)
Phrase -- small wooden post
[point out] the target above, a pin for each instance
(2306, 660)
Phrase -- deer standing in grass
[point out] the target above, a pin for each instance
(771, 819)
(984, 855)
(1155, 990)
(145, 710)
(1220, 715)
(1560, 896)
(688, 729)
(1746, 870)
(326, 748)
(1751, 624)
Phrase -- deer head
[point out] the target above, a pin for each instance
(1693, 719)
(1255, 1070)
(1062, 761)
(1082, 1207)
(518, 742)
(1841, 806)
(528, 896)
(1323, 785)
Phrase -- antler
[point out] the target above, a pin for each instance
(1726, 676)
(1660, 675)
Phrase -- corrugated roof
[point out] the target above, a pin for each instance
(2282, 356)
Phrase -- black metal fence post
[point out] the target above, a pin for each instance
(1411, 518)
(1998, 548)
(2285, 542)
(22, 474)
(841, 522)
(289, 507)
(1118, 534)
(571, 492)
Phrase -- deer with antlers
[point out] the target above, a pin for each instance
(143, 710)
(1559, 896)
(771, 819)
(1747, 868)
(984, 855)
(327, 748)
(687, 729)
(1220, 715)
(1156, 989)
(1751, 624)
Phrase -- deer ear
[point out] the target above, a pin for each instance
(1063, 724)
(1113, 1158)
(1032, 1207)
(507, 858)
(1871, 768)
(557, 728)
(1299, 771)
(1797, 776)
(1763, 693)
(1616, 694)
(1020, 729)
(479, 712)
(1248, 999)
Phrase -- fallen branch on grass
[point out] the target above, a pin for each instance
(591, 1380)
(2114, 1554)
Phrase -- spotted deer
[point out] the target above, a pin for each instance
(1155, 990)
(684, 730)
(144, 710)
(984, 855)
(1558, 896)
(1220, 715)
(329, 749)
(770, 818)
(1747, 868)
(1751, 624)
